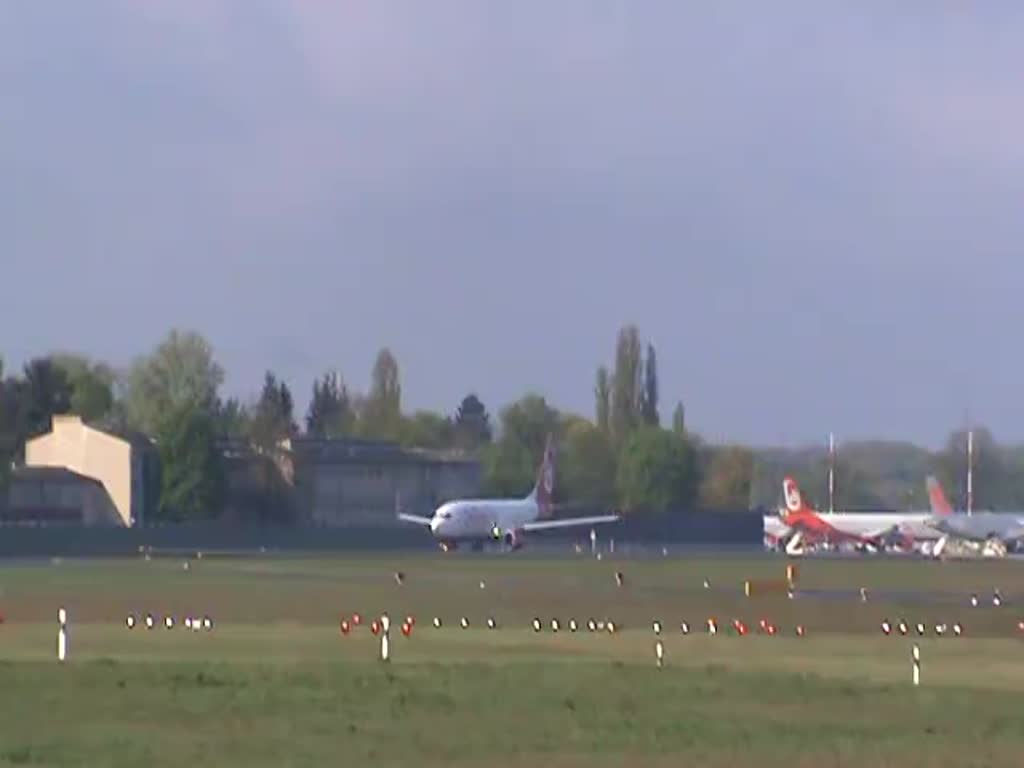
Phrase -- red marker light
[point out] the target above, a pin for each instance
(406, 629)
(356, 619)
(345, 627)
(410, 620)
(375, 627)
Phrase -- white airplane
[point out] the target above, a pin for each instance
(478, 520)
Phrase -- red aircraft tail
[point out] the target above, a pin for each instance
(940, 504)
(544, 489)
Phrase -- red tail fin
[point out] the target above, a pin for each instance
(544, 489)
(791, 493)
(940, 504)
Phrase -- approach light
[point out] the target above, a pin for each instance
(130, 622)
(537, 625)
(684, 628)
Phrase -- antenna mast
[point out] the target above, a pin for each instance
(970, 471)
(831, 472)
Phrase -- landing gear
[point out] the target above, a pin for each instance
(994, 547)
(448, 546)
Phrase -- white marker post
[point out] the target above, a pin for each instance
(659, 653)
(62, 635)
(593, 541)
(385, 639)
(916, 656)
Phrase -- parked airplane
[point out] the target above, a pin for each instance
(996, 532)
(869, 530)
(478, 520)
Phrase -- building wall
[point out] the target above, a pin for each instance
(364, 493)
(90, 452)
(61, 500)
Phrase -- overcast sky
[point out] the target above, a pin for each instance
(815, 215)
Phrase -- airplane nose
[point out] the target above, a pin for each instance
(435, 524)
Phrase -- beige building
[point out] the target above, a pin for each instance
(107, 477)
(117, 462)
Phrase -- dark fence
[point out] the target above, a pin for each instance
(702, 529)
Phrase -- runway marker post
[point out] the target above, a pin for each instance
(62, 635)
(916, 658)
(385, 638)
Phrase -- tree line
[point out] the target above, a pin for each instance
(621, 457)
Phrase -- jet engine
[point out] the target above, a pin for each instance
(509, 537)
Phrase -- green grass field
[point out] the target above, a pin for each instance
(275, 683)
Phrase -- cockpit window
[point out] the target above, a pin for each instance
(445, 515)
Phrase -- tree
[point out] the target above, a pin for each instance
(657, 471)
(626, 384)
(381, 416)
(273, 417)
(649, 400)
(232, 420)
(192, 481)
(472, 424)
(330, 409)
(180, 372)
(603, 399)
(726, 483)
(427, 429)
(92, 386)
(13, 420)
(48, 393)
(679, 419)
(587, 465)
(510, 464)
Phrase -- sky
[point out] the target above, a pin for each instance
(812, 210)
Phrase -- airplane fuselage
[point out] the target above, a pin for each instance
(480, 519)
(915, 526)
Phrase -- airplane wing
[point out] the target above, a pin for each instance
(542, 525)
(414, 518)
